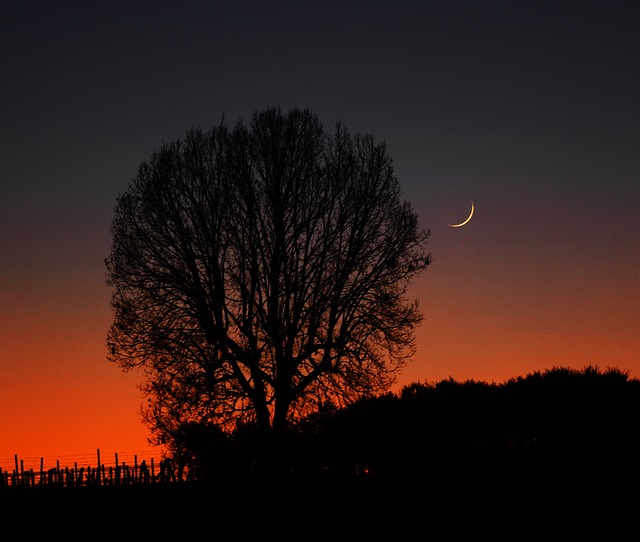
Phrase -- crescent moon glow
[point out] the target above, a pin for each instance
(467, 220)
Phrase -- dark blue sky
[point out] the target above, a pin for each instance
(530, 109)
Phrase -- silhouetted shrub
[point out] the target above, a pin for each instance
(542, 414)
(538, 419)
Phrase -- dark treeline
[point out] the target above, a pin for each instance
(534, 448)
(544, 418)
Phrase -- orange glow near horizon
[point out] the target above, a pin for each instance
(486, 318)
(60, 397)
(529, 112)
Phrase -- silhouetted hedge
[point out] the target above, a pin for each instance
(586, 413)
(556, 415)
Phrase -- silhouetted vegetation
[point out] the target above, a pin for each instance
(555, 415)
(261, 269)
(537, 448)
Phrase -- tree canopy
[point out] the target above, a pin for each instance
(261, 270)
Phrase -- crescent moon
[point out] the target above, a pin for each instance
(467, 220)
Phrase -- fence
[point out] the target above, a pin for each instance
(120, 473)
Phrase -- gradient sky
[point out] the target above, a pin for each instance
(530, 109)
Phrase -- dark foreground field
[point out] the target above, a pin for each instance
(499, 496)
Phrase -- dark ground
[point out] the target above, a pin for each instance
(498, 497)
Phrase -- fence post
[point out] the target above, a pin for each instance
(99, 474)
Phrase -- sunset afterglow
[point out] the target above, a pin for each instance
(526, 117)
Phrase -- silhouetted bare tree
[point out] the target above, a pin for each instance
(262, 270)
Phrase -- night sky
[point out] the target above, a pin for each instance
(529, 109)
